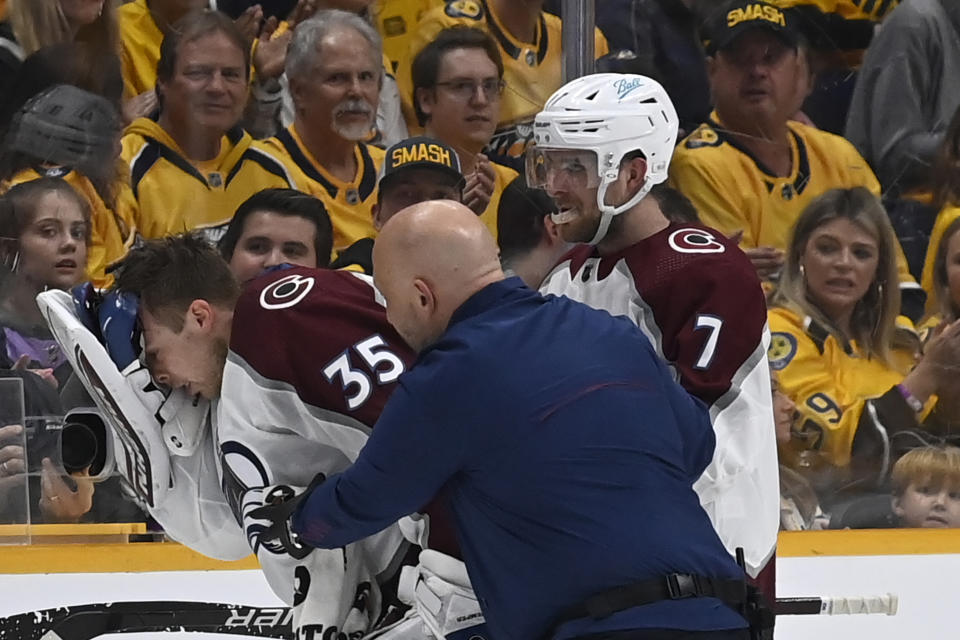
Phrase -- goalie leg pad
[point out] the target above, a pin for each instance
(440, 590)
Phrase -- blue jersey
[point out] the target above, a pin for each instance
(568, 455)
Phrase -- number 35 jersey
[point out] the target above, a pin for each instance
(697, 298)
(312, 361)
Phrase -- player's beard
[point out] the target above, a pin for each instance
(355, 130)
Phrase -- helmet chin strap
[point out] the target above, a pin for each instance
(607, 212)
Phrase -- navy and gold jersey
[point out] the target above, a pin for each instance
(944, 219)
(396, 20)
(734, 191)
(349, 204)
(838, 24)
(829, 381)
(174, 194)
(531, 70)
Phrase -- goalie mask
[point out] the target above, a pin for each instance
(589, 126)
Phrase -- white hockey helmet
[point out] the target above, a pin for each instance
(612, 115)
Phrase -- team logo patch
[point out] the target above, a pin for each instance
(703, 137)
(353, 196)
(286, 292)
(464, 9)
(783, 347)
(695, 241)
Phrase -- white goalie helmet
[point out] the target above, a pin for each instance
(609, 115)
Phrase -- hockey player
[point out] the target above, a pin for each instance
(569, 470)
(602, 142)
(310, 363)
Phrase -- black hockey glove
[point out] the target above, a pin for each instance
(271, 525)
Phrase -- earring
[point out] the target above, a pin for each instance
(803, 273)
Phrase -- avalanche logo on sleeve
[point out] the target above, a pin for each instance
(783, 347)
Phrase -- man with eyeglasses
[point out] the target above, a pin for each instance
(458, 82)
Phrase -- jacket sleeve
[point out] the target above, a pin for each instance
(394, 475)
(901, 138)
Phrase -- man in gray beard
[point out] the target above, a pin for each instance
(335, 68)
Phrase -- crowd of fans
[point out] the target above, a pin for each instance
(823, 136)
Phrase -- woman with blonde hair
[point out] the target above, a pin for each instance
(835, 346)
(39, 23)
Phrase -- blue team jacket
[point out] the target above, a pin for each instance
(568, 454)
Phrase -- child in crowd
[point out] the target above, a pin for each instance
(926, 488)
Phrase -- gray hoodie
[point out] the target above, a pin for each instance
(907, 92)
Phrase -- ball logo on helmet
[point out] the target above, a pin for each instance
(626, 86)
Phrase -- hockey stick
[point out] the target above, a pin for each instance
(88, 621)
(837, 606)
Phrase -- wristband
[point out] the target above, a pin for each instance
(912, 401)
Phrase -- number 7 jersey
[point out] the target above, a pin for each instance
(697, 298)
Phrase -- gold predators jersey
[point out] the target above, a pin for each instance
(734, 191)
(174, 194)
(944, 219)
(531, 70)
(829, 382)
(504, 176)
(140, 40)
(396, 20)
(112, 231)
(349, 204)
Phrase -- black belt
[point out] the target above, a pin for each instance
(675, 586)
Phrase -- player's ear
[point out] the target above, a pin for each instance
(636, 170)
(375, 210)
(200, 315)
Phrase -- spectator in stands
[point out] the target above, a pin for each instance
(69, 133)
(529, 240)
(751, 169)
(45, 233)
(664, 36)
(40, 23)
(277, 226)
(397, 22)
(191, 165)
(906, 93)
(414, 170)
(835, 345)
(926, 488)
(945, 268)
(143, 24)
(334, 66)
(945, 201)
(838, 33)
(529, 42)
(457, 84)
(274, 88)
(73, 63)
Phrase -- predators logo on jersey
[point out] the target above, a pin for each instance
(464, 9)
(783, 347)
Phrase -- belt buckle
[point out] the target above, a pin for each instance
(681, 585)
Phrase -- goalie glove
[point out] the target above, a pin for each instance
(440, 590)
(266, 517)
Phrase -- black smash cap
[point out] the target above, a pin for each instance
(421, 152)
(729, 21)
